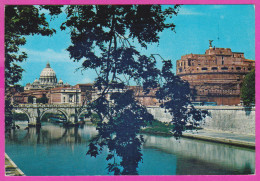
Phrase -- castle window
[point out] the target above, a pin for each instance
(214, 68)
(224, 68)
(204, 68)
(238, 68)
(180, 69)
(222, 62)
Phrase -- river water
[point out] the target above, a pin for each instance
(54, 151)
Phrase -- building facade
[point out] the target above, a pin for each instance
(65, 95)
(216, 76)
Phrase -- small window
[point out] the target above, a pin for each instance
(249, 68)
(238, 68)
(189, 62)
(214, 68)
(204, 68)
(224, 68)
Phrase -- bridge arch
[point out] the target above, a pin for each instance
(83, 111)
(54, 110)
(25, 112)
(86, 111)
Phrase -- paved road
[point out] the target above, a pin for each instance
(222, 137)
(233, 136)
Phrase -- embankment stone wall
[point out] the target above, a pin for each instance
(234, 119)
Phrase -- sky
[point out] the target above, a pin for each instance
(230, 26)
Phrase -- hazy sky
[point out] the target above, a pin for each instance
(230, 26)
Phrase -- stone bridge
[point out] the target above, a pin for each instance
(223, 118)
(35, 112)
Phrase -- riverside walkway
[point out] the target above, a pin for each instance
(222, 137)
(11, 169)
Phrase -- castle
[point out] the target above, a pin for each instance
(216, 76)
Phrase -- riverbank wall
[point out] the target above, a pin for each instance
(234, 119)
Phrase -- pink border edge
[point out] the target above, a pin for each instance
(150, 178)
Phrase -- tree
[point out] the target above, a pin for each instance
(102, 38)
(20, 21)
(248, 89)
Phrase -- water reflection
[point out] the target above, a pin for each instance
(50, 133)
(184, 157)
(204, 157)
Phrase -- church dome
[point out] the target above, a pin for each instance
(60, 81)
(48, 76)
(36, 81)
(48, 72)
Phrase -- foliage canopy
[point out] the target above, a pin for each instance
(103, 39)
(20, 21)
(248, 89)
(108, 39)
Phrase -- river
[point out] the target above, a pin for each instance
(56, 151)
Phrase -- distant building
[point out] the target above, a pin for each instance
(87, 92)
(22, 97)
(47, 80)
(47, 85)
(148, 99)
(65, 95)
(216, 75)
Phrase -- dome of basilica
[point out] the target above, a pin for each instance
(48, 76)
(47, 80)
(47, 72)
